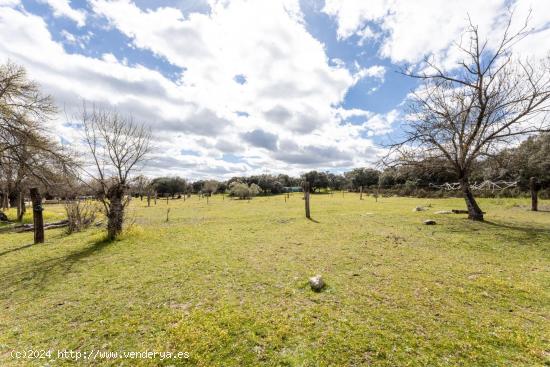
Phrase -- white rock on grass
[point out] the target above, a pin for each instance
(317, 283)
(444, 212)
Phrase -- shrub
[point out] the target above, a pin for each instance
(80, 214)
(243, 191)
(253, 190)
(421, 193)
(210, 187)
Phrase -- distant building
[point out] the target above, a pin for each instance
(292, 189)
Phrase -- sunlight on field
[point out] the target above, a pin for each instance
(227, 282)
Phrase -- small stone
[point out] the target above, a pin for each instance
(419, 209)
(429, 222)
(316, 283)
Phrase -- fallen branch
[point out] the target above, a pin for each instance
(30, 227)
(461, 211)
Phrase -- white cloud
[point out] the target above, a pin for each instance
(290, 87)
(289, 95)
(272, 49)
(367, 33)
(62, 8)
(68, 36)
(413, 29)
(285, 115)
(375, 71)
(380, 123)
(11, 3)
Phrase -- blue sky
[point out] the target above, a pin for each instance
(233, 87)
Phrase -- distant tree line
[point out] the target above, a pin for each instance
(529, 159)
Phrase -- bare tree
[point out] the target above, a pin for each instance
(118, 146)
(139, 185)
(488, 101)
(28, 156)
(80, 214)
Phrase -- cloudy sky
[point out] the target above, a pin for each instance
(234, 87)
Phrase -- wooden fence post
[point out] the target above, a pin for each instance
(38, 218)
(534, 194)
(360, 192)
(306, 199)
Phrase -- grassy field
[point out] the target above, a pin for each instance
(227, 283)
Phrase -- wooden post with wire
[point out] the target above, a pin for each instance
(306, 199)
(533, 186)
(37, 215)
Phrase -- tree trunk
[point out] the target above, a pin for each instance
(21, 208)
(115, 217)
(38, 218)
(534, 194)
(12, 199)
(474, 211)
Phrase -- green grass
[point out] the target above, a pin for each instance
(51, 214)
(227, 282)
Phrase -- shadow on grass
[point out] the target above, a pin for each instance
(503, 231)
(521, 234)
(16, 249)
(76, 256)
(313, 220)
(37, 274)
(525, 229)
